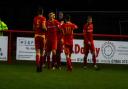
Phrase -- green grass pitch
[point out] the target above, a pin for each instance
(24, 76)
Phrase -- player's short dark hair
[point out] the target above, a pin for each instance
(40, 10)
(67, 18)
(89, 17)
(60, 12)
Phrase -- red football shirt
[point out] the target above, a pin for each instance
(68, 28)
(59, 32)
(88, 32)
(52, 28)
(37, 24)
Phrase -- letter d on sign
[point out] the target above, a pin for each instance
(77, 48)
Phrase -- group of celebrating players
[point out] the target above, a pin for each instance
(55, 35)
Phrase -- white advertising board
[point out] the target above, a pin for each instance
(3, 48)
(111, 52)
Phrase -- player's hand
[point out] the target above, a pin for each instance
(88, 27)
(62, 41)
(62, 22)
(89, 30)
(89, 43)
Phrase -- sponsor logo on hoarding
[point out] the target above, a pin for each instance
(108, 50)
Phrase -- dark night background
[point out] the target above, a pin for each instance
(109, 16)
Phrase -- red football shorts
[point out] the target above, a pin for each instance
(88, 46)
(51, 45)
(68, 49)
(39, 42)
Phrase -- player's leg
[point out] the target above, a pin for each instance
(60, 51)
(68, 58)
(54, 59)
(38, 60)
(37, 46)
(45, 57)
(58, 58)
(42, 52)
(48, 50)
(86, 51)
(54, 48)
(92, 48)
(48, 59)
(58, 55)
(70, 53)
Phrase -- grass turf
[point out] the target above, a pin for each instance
(24, 76)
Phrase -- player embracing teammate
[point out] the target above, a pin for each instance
(53, 26)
